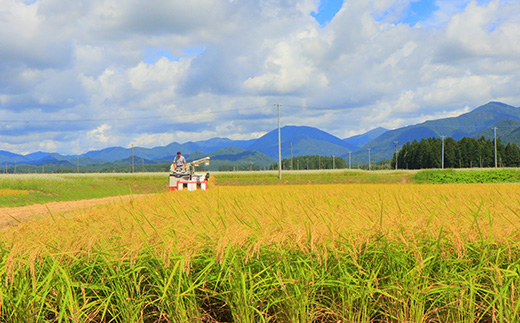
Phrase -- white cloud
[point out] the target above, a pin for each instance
(87, 60)
(154, 139)
(100, 134)
(287, 72)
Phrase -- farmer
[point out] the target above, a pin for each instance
(179, 162)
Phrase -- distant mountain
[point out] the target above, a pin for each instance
(468, 124)
(138, 161)
(222, 151)
(36, 156)
(50, 160)
(383, 146)
(305, 141)
(507, 131)
(233, 156)
(110, 154)
(213, 144)
(8, 157)
(168, 151)
(465, 125)
(261, 151)
(162, 152)
(362, 139)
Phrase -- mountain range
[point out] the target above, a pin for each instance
(301, 140)
(475, 123)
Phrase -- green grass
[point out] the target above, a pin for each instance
(46, 188)
(446, 176)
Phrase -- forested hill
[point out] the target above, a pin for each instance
(476, 123)
(466, 152)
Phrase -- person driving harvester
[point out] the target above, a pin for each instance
(180, 162)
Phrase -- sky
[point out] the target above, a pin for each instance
(89, 74)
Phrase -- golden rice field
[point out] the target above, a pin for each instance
(10, 192)
(305, 253)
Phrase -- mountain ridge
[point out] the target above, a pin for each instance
(305, 141)
(465, 125)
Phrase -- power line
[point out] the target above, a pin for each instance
(133, 118)
(457, 126)
(317, 108)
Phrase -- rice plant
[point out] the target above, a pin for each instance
(319, 253)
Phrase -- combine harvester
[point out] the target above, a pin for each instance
(181, 178)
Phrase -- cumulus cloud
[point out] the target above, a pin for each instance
(100, 134)
(218, 68)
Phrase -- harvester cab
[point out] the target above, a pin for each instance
(181, 178)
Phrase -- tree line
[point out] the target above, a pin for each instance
(311, 162)
(465, 153)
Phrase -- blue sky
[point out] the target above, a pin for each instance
(416, 11)
(327, 10)
(99, 64)
(419, 11)
(152, 55)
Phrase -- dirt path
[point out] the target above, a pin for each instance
(22, 213)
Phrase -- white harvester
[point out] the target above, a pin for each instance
(181, 178)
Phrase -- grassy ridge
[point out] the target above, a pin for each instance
(294, 253)
(44, 188)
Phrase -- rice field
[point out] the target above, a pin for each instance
(9, 192)
(293, 253)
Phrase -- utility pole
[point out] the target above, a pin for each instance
(78, 165)
(333, 162)
(132, 158)
(495, 130)
(250, 163)
(6, 167)
(15, 166)
(369, 158)
(279, 146)
(396, 142)
(319, 162)
(43, 169)
(298, 163)
(442, 160)
(291, 157)
(307, 163)
(349, 160)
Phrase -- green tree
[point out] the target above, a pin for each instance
(467, 152)
(512, 155)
